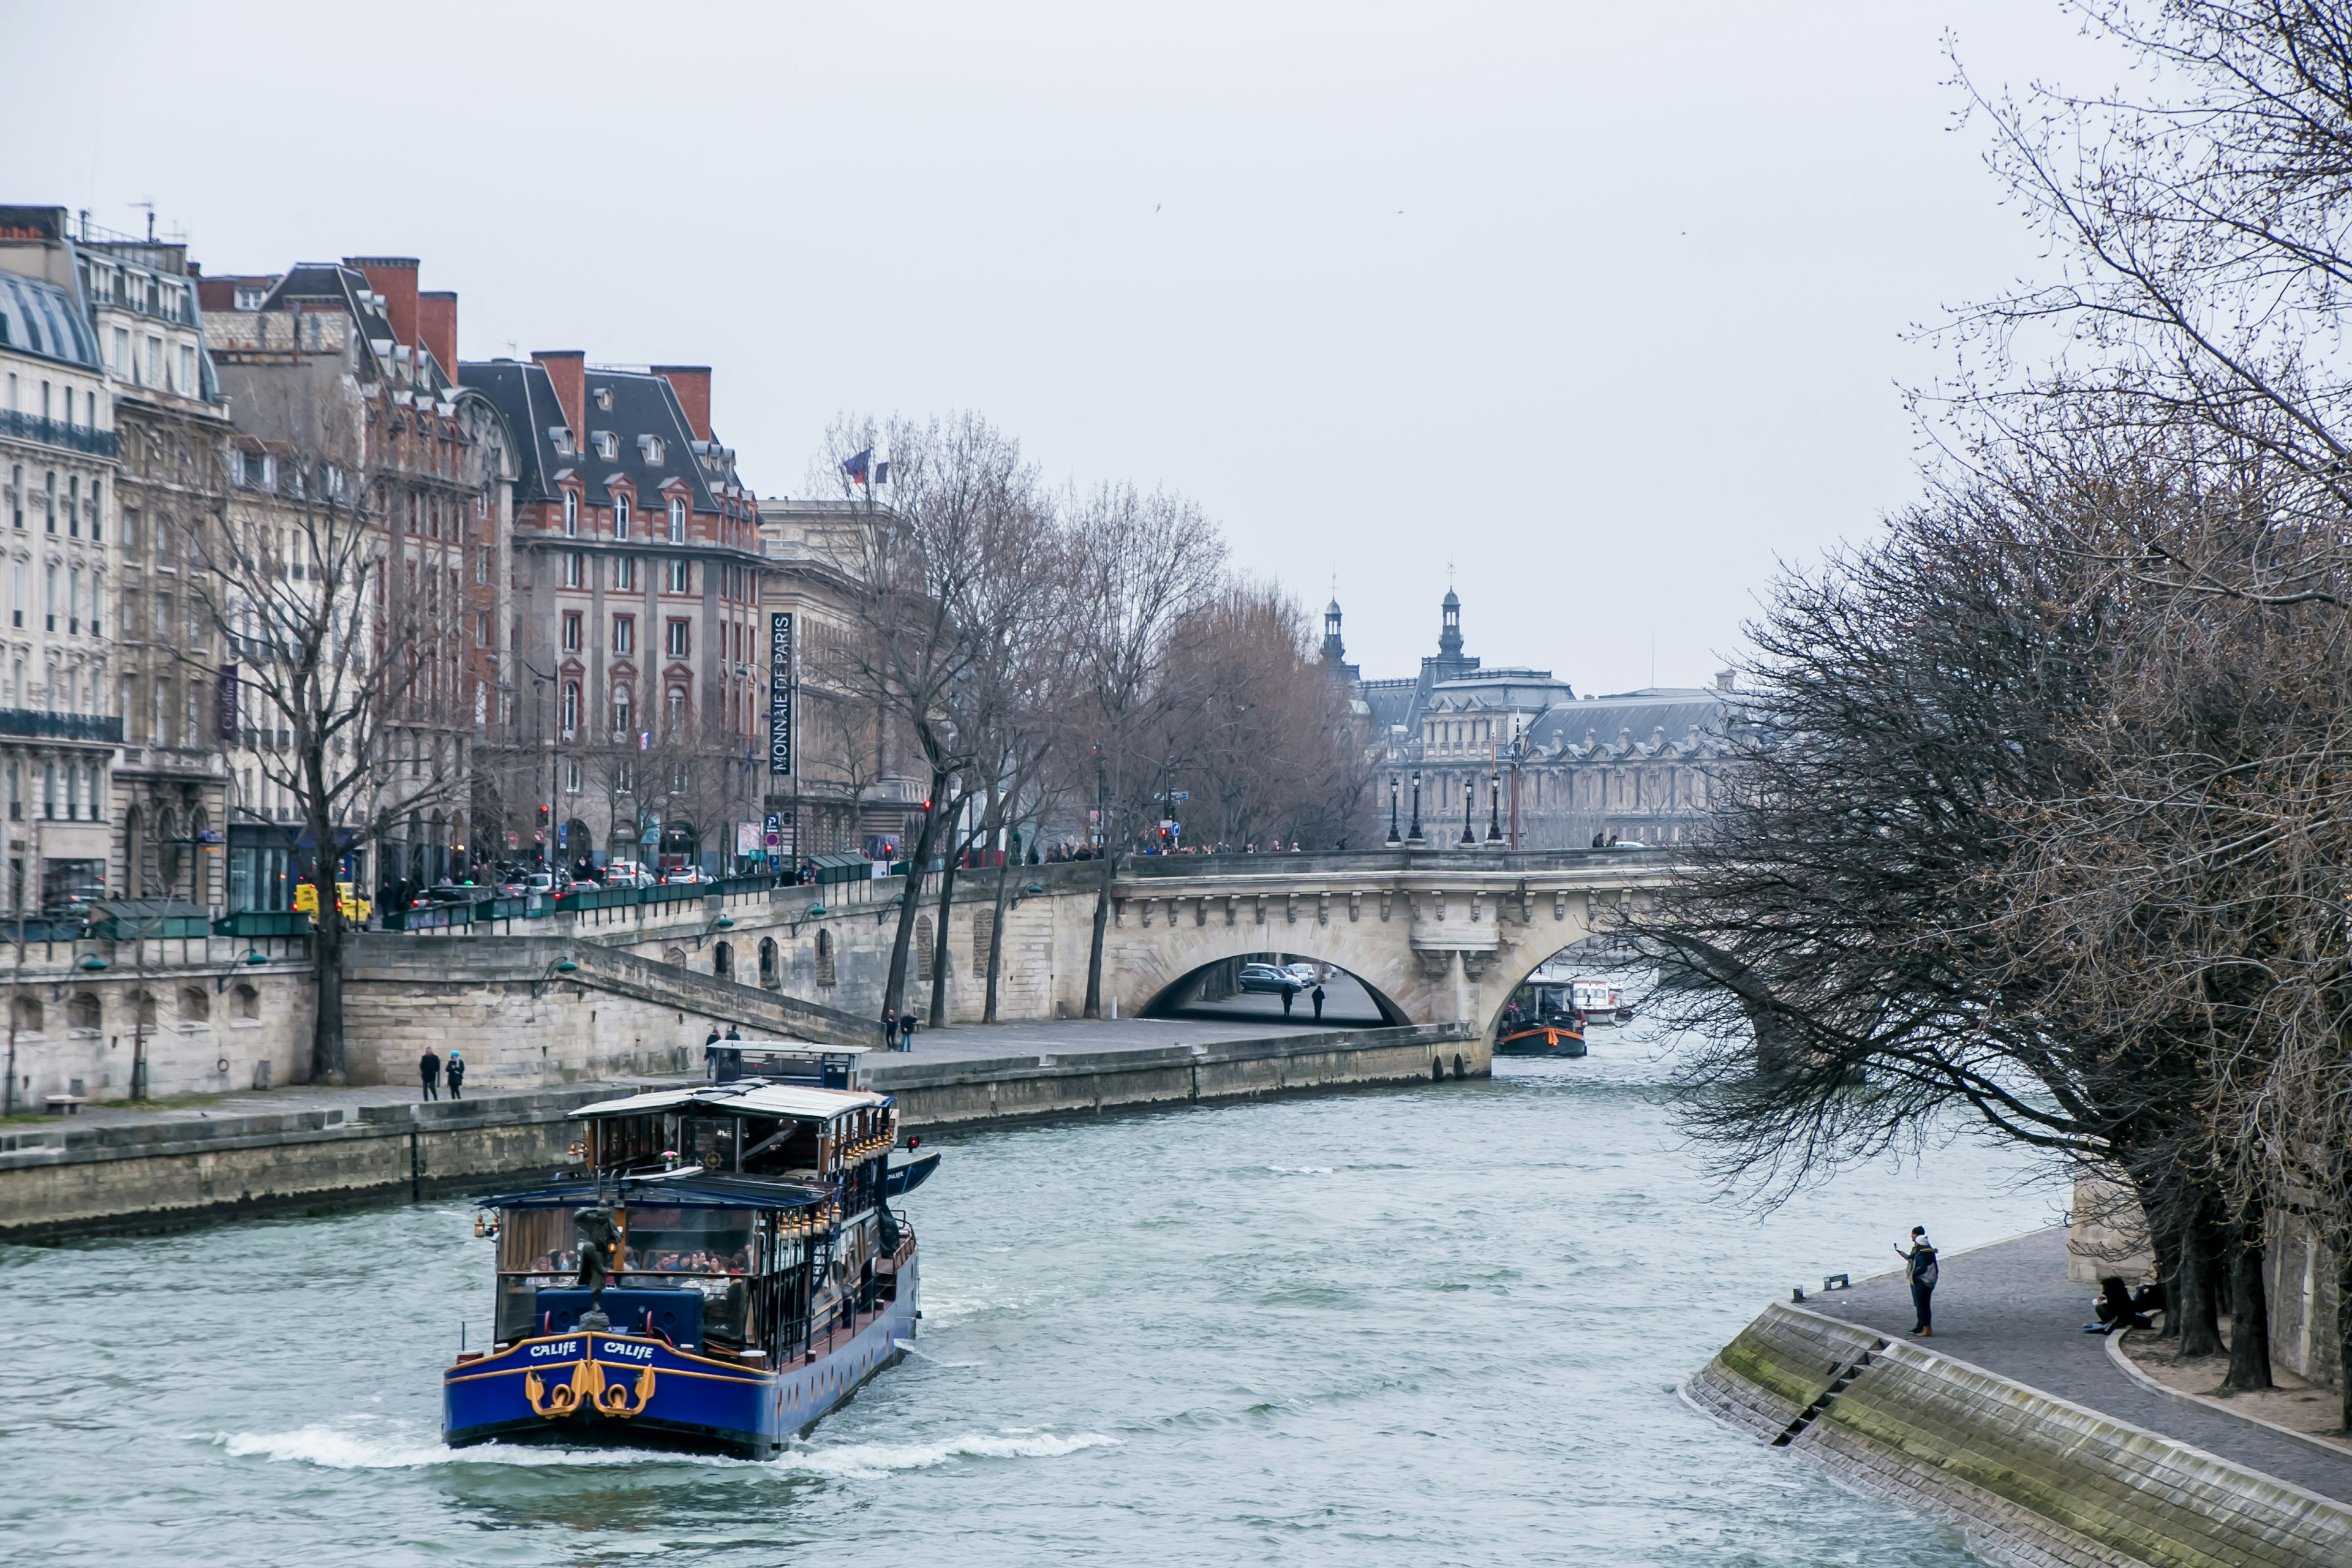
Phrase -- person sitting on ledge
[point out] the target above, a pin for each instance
(2118, 1307)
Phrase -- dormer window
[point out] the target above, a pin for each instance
(605, 399)
(651, 446)
(620, 516)
(249, 297)
(571, 514)
(561, 437)
(608, 445)
(677, 520)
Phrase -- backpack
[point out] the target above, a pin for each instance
(1923, 1273)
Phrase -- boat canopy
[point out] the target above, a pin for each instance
(746, 1097)
(687, 1188)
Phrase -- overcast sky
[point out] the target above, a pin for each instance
(1604, 306)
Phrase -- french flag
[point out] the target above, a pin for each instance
(855, 467)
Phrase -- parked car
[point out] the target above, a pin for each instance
(442, 894)
(540, 882)
(1307, 976)
(627, 874)
(687, 877)
(1269, 978)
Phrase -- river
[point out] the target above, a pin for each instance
(1436, 1325)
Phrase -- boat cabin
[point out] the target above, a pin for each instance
(749, 1219)
(783, 1061)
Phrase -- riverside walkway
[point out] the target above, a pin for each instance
(2010, 1309)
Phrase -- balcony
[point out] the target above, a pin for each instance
(61, 726)
(57, 433)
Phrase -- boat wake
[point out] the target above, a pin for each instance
(330, 1449)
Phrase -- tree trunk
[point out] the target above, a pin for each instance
(2250, 1317)
(1102, 922)
(896, 992)
(938, 1016)
(996, 933)
(2200, 1308)
(2344, 1324)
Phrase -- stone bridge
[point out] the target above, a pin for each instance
(1437, 936)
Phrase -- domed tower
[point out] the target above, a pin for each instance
(1334, 650)
(1449, 635)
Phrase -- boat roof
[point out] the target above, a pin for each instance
(785, 1045)
(747, 1097)
(687, 1188)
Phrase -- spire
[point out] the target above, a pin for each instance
(1334, 652)
(1449, 635)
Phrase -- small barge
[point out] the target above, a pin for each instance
(1540, 1020)
(723, 1270)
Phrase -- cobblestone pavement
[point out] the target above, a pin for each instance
(2010, 1309)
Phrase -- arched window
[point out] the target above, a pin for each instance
(195, 1004)
(571, 514)
(768, 979)
(824, 962)
(27, 1014)
(81, 1012)
(677, 520)
(620, 516)
(923, 949)
(570, 709)
(142, 1009)
(722, 961)
(620, 713)
(248, 1003)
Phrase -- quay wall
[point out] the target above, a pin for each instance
(78, 1180)
(2028, 1479)
(69, 1177)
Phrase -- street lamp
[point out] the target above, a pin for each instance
(1392, 811)
(1413, 839)
(1469, 804)
(1494, 803)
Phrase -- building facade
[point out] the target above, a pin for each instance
(58, 736)
(1512, 753)
(630, 687)
(343, 379)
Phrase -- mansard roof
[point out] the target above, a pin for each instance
(1630, 722)
(642, 405)
(314, 283)
(39, 318)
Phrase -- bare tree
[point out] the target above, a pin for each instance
(348, 633)
(1143, 569)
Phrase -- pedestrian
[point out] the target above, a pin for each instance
(1921, 1261)
(710, 1039)
(1318, 1004)
(456, 1070)
(428, 1067)
(907, 1030)
(733, 1033)
(889, 1028)
(1289, 991)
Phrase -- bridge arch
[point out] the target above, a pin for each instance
(1216, 983)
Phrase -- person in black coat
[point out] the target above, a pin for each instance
(1920, 1262)
(428, 1067)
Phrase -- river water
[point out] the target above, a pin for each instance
(1434, 1325)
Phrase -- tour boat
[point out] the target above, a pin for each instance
(756, 1274)
(1541, 1020)
(1601, 1000)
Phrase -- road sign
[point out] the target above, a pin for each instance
(1182, 794)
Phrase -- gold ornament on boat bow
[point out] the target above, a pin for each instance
(587, 1388)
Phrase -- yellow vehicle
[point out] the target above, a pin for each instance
(355, 909)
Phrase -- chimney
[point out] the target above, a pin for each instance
(394, 278)
(567, 369)
(1726, 679)
(436, 323)
(692, 384)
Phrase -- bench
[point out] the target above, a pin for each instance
(66, 1104)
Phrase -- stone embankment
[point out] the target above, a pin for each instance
(125, 1171)
(2028, 1479)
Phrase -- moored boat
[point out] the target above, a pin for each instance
(1540, 1020)
(723, 1270)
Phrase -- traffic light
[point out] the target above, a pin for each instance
(542, 816)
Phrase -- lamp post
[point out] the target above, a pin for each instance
(1494, 803)
(1393, 840)
(1469, 804)
(1413, 839)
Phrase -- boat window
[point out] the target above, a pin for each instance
(770, 1154)
(708, 1141)
(538, 1241)
(665, 1240)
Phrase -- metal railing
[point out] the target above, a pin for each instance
(61, 726)
(57, 433)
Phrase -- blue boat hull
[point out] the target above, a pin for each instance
(581, 1389)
